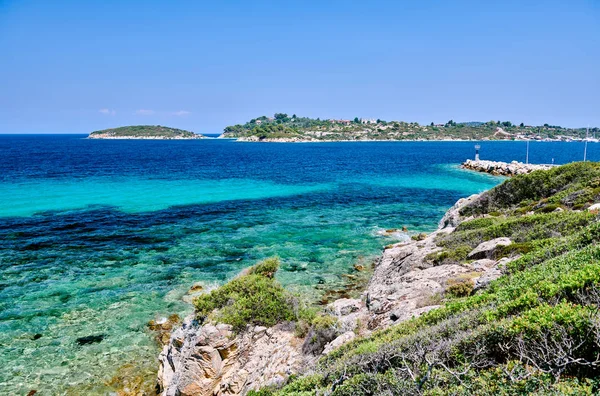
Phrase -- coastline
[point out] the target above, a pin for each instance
(143, 138)
(246, 140)
(403, 285)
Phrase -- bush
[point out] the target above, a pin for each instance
(455, 255)
(460, 287)
(266, 268)
(323, 330)
(254, 298)
(548, 208)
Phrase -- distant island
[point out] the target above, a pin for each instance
(144, 132)
(283, 128)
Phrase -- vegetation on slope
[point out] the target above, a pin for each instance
(535, 330)
(256, 298)
(282, 126)
(147, 131)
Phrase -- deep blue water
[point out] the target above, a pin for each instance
(99, 237)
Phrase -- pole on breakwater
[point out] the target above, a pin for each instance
(587, 131)
(477, 147)
(527, 154)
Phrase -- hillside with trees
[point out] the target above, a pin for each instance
(144, 132)
(284, 128)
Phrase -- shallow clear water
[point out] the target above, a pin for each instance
(99, 237)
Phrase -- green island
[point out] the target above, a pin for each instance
(143, 132)
(283, 128)
(533, 328)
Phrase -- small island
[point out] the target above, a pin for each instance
(144, 132)
(284, 128)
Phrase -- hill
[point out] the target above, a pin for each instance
(143, 132)
(283, 128)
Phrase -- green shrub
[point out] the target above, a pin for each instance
(475, 224)
(455, 255)
(255, 298)
(323, 330)
(548, 208)
(460, 287)
(512, 249)
(267, 267)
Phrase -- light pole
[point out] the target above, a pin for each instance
(527, 153)
(477, 147)
(587, 131)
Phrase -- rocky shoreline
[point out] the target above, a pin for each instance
(211, 359)
(110, 137)
(499, 168)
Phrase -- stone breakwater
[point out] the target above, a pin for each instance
(503, 168)
(210, 359)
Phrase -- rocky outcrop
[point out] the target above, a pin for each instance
(503, 168)
(452, 218)
(212, 360)
(488, 248)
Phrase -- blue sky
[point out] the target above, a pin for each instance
(79, 66)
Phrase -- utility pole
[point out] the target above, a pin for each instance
(587, 131)
(527, 153)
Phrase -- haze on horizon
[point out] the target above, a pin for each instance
(76, 67)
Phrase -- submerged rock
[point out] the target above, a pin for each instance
(91, 339)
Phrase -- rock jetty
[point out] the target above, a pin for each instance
(502, 168)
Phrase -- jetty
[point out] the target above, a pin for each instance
(503, 168)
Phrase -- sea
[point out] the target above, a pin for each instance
(99, 237)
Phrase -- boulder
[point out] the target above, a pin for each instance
(487, 249)
(345, 306)
(594, 208)
(339, 341)
(452, 216)
(212, 360)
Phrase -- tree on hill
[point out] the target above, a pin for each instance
(281, 117)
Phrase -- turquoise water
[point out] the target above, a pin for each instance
(99, 237)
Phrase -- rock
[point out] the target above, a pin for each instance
(487, 249)
(452, 216)
(594, 208)
(483, 264)
(485, 279)
(91, 339)
(502, 168)
(345, 306)
(339, 341)
(211, 360)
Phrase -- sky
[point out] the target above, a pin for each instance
(80, 66)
